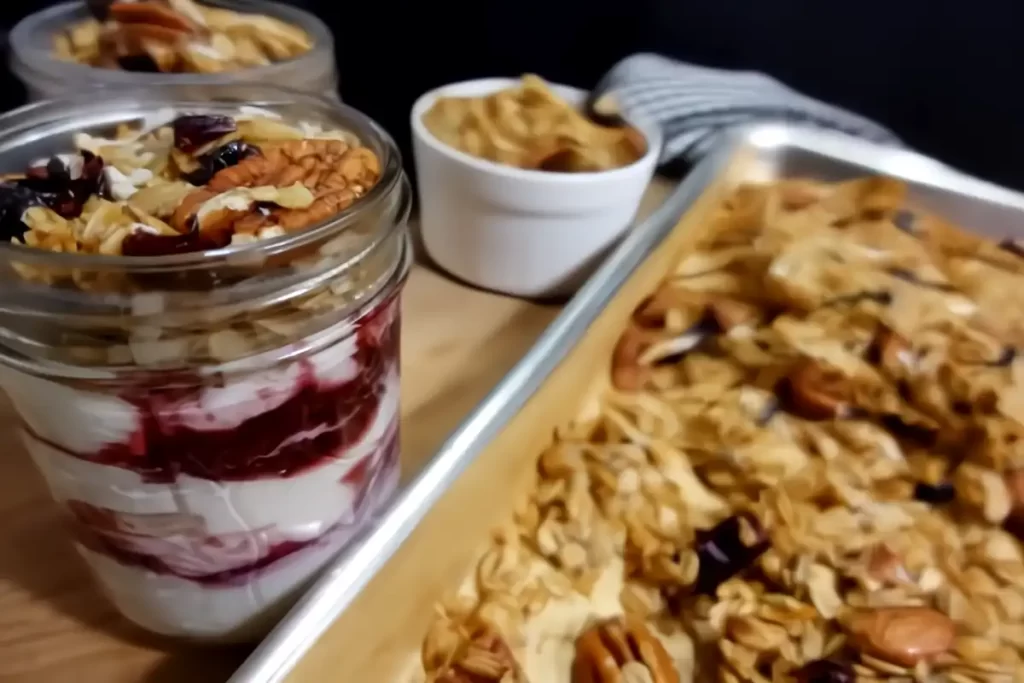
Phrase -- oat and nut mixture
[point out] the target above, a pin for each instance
(806, 464)
(198, 182)
(177, 36)
(190, 183)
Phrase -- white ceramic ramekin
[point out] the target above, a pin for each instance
(523, 232)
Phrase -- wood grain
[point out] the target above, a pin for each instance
(457, 342)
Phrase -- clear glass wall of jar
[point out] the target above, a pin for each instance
(216, 425)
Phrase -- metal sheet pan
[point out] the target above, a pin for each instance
(764, 152)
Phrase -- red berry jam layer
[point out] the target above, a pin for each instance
(177, 544)
(278, 425)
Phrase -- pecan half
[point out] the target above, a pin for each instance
(621, 650)
(152, 14)
(488, 659)
(336, 173)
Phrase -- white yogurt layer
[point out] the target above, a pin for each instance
(231, 613)
(173, 521)
(82, 422)
(303, 506)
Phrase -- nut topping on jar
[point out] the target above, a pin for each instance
(177, 36)
(259, 178)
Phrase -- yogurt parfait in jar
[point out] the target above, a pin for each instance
(199, 331)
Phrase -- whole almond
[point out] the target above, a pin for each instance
(902, 635)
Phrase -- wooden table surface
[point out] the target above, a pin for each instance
(457, 343)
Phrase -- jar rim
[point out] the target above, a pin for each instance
(30, 60)
(22, 126)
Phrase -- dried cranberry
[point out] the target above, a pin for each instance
(723, 554)
(942, 493)
(1006, 358)
(223, 157)
(99, 8)
(14, 199)
(825, 671)
(1013, 246)
(905, 430)
(139, 63)
(904, 220)
(192, 131)
(61, 190)
(911, 277)
(141, 243)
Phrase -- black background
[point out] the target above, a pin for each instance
(943, 74)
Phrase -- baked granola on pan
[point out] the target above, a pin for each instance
(807, 464)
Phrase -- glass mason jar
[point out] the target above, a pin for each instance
(45, 76)
(215, 425)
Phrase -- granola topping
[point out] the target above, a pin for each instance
(179, 183)
(228, 180)
(804, 463)
(177, 36)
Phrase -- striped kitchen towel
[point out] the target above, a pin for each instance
(696, 106)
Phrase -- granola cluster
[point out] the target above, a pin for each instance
(177, 36)
(807, 464)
